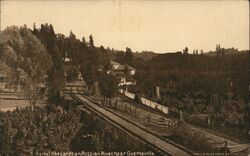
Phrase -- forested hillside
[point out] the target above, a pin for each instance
(33, 58)
(214, 83)
(198, 83)
(36, 56)
(145, 55)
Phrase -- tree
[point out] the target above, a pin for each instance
(56, 78)
(91, 41)
(218, 49)
(72, 74)
(223, 51)
(126, 71)
(61, 43)
(108, 85)
(84, 42)
(196, 52)
(25, 54)
(89, 73)
(201, 52)
(185, 51)
(128, 57)
(35, 30)
(19, 133)
(74, 47)
(105, 59)
(120, 57)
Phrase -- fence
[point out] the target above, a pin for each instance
(161, 123)
(148, 103)
(129, 95)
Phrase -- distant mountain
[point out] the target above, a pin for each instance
(145, 55)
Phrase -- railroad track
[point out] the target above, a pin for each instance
(154, 142)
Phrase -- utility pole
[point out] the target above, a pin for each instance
(248, 111)
(0, 15)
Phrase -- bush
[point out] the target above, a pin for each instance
(72, 75)
(192, 139)
(40, 130)
(137, 98)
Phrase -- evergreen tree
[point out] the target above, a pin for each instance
(218, 49)
(91, 41)
(185, 51)
(108, 85)
(84, 42)
(126, 71)
(196, 52)
(120, 57)
(89, 73)
(56, 74)
(128, 57)
(201, 51)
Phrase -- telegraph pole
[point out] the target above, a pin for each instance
(248, 98)
(0, 15)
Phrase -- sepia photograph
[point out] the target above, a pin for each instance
(124, 78)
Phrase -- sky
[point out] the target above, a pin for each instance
(159, 26)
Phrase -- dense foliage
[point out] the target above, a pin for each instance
(37, 57)
(191, 139)
(72, 74)
(27, 132)
(198, 84)
(108, 84)
(27, 58)
(214, 84)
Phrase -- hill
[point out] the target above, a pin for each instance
(236, 61)
(224, 51)
(145, 55)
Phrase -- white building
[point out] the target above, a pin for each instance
(122, 72)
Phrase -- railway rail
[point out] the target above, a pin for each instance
(154, 142)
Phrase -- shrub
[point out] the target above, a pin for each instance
(72, 75)
(194, 140)
(37, 131)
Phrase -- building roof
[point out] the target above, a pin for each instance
(114, 63)
(120, 66)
